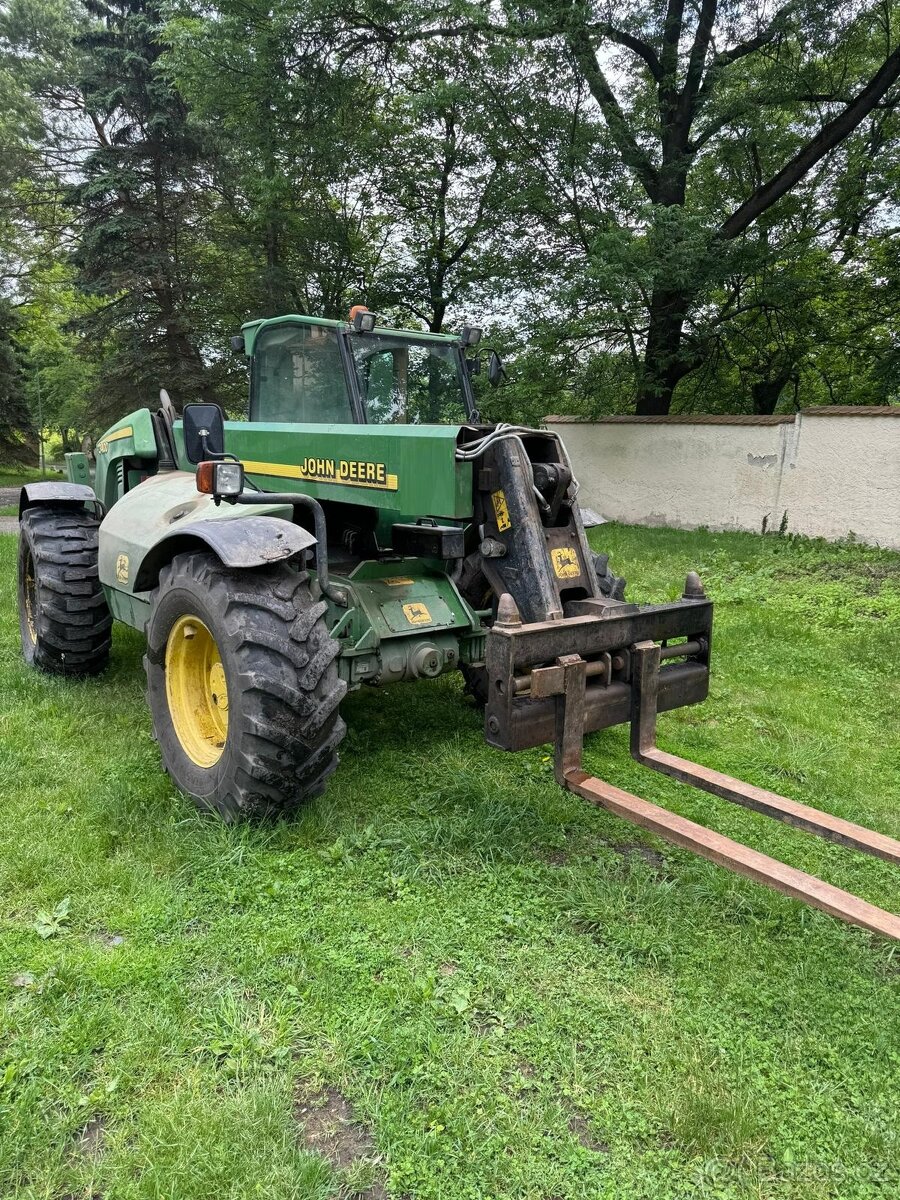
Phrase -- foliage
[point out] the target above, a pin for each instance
(15, 422)
(138, 202)
(687, 206)
(62, 384)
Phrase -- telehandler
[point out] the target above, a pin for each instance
(365, 526)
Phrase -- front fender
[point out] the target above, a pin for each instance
(51, 492)
(241, 543)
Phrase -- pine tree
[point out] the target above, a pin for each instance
(138, 208)
(17, 439)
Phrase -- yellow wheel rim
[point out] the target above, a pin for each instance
(196, 691)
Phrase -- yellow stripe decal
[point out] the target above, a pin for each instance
(328, 470)
(125, 431)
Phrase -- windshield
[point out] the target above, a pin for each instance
(298, 376)
(405, 382)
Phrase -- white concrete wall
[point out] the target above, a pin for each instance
(835, 472)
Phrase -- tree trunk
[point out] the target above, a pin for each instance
(664, 365)
(767, 392)
(439, 311)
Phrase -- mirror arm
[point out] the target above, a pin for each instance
(210, 455)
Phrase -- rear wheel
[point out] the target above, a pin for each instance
(63, 617)
(243, 686)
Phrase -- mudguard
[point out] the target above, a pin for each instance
(242, 543)
(51, 492)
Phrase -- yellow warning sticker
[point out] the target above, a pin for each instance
(122, 568)
(501, 511)
(397, 581)
(565, 562)
(417, 614)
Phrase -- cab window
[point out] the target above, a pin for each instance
(407, 382)
(298, 376)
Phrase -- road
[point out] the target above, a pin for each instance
(9, 495)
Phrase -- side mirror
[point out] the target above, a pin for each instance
(495, 371)
(204, 432)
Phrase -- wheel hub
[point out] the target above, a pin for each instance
(196, 690)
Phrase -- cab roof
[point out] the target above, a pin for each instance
(252, 329)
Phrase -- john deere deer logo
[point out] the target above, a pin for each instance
(417, 614)
(565, 562)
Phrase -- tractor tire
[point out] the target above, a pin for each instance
(611, 585)
(64, 621)
(476, 590)
(243, 686)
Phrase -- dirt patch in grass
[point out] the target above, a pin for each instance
(580, 1128)
(327, 1126)
(631, 851)
(90, 1141)
(108, 940)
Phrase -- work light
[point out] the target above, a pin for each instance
(220, 478)
(361, 319)
(471, 335)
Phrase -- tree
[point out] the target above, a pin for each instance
(139, 208)
(289, 127)
(17, 442)
(441, 185)
(672, 89)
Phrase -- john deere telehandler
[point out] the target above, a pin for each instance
(364, 526)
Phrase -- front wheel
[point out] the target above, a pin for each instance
(243, 686)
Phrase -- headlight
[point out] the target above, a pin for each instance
(220, 478)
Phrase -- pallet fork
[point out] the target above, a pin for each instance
(567, 681)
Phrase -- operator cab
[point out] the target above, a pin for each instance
(306, 370)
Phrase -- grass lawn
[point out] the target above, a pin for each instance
(15, 476)
(449, 979)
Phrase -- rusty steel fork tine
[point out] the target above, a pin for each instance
(645, 658)
(566, 681)
(736, 857)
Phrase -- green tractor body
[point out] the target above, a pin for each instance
(365, 526)
(367, 475)
(393, 494)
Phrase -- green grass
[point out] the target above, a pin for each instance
(9, 510)
(15, 476)
(449, 979)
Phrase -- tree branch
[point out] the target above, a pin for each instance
(726, 57)
(697, 59)
(668, 82)
(829, 136)
(635, 44)
(632, 153)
